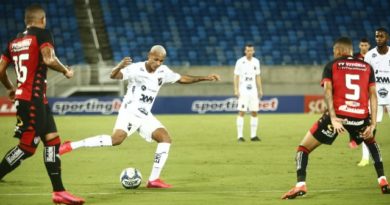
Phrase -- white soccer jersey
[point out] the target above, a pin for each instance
(144, 86)
(247, 71)
(381, 65)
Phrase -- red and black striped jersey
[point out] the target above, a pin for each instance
(25, 52)
(351, 79)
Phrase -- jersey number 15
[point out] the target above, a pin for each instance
(21, 70)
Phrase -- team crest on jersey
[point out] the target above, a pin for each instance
(159, 81)
(143, 87)
(383, 92)
(374, 55)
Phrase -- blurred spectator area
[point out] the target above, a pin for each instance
(61, 20)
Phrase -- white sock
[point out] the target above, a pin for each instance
(299, 184)
(240, 126)
(254, 122)
(160, 158)
(95, 141)
(365, 151)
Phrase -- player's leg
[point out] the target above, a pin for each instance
(125, 125)
(388, 109)
(26, 133)
(242, 107)
(320, 133)
(254, 108)
(365, 156)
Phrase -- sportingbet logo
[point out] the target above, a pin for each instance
(88, 106)
(229, 105)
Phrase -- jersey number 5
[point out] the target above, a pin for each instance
(21, 70)
(354, 87)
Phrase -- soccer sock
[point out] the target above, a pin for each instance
(160, 158)
(254, 123)
(12, 159)
(52, 161)
(95, 141)
(302, 159)
(240, 126)
(365, 151)
(376, 156)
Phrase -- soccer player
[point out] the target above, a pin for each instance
(32, 52)
(145, 80)
(379, 59)
(248, 89)
(349, 91)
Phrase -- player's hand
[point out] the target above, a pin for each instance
(213, 77)
(125, 62)
(337, 124)
(368, 133)
(11, 93)
(69, 73)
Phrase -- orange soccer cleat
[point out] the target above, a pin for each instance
(65, 148)
(158, 183)
(64, 197)
(385, 188)
(294, 192)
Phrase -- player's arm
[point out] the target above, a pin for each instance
(369, 131)
(259, 86)
(51, 60)
(5, 79)
(236, 81)
(328, 94)
(188, 79)
(115, 73)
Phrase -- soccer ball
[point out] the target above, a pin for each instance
(130, 178)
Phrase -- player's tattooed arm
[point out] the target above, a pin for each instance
(336, 122)
(51, 60)
(188, 79)
(115, 73)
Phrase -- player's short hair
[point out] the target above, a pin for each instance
(248, 45)
(33, 12)
(364, 40)
(343, 41)
(382, 29)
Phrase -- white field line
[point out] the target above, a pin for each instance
(165, 192)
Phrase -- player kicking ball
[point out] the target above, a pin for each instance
(145, 80)
(349, 89)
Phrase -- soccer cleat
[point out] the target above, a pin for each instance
(65, 148)
(363, 163)
(294, 192)
(64, 197)
(385, 188)
(352, 144)
(158, 183)
(255, 139)
(241, 139)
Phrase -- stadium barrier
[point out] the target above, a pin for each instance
(176, 105)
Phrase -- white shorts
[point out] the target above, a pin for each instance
(131, 123)
(248, 103)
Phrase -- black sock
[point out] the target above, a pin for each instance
(53, 166)
(12, 159)
(377, 157)
(302, 159)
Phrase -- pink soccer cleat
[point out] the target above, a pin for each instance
(385, 188)
(64, 197)
(294, 192)
(158, 183)
(352, 144)
(65, 148)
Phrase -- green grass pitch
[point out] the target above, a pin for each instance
(206, 165)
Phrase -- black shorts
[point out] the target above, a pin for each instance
(34, 121)
(322, 130)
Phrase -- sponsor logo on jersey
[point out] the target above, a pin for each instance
(383, 93)
(352, 103)
(374, 55)
(328, 132)
(353, 123)
(143, 111)
(21, 45)
(382, 79)
(249, 87)
(349, 109)
(146, 98)
(50, 155)
(14, 155)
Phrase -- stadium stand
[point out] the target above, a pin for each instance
(61, 21)
(203, 32)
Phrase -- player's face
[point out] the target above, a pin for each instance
(364, 47)
(381, 38)
(249, 51)
(155, 59)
